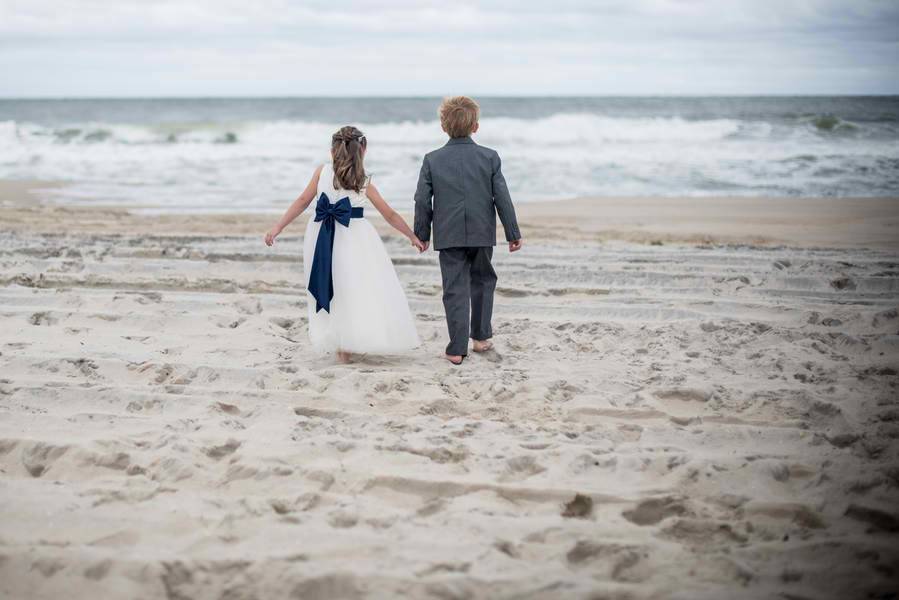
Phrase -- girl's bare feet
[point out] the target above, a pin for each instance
(344, 357)
(482, 346)
(455, 359)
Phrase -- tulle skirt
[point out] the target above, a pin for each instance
(369, 311)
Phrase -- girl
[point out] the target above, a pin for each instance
(355, 301)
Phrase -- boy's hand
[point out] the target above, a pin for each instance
(420, 245)
(271, 235)
(515, 245)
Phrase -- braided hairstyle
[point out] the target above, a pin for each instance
(347, 147)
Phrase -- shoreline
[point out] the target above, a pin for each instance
(764, 221)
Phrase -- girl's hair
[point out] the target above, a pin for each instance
(347, 146)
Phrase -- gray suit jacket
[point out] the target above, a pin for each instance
(461, 189)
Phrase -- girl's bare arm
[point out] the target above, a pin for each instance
(298, 206)
(393, 217)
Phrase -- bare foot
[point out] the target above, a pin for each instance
(455, 359)
(344, 357)
(479, 346)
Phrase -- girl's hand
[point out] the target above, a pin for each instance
(271, 235)
(417, 243)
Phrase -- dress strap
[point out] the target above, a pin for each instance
(324, 178)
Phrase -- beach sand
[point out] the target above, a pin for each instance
(690, 398)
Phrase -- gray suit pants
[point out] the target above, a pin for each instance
(468, 285)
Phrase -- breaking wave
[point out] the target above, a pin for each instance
(261, 163)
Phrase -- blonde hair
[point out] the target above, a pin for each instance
(347, 147)
(459, 116)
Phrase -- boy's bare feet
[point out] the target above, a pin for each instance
(344, 357)
(455, 359)
(479, 346)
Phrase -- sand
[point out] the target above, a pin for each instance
(689, 399)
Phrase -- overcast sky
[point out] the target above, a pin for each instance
(350, 47)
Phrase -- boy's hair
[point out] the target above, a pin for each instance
(459, 115)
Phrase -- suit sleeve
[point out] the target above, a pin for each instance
(503, 202)
(424, 209)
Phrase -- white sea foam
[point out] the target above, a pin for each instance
(262, 164)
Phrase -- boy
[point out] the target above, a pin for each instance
(460, 190)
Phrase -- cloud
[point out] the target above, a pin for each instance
(278, 47)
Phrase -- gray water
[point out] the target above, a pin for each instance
(252, 154)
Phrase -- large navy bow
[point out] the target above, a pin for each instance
(321, 282)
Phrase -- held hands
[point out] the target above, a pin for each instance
(271, 235)
(515, 245)
(274, 232)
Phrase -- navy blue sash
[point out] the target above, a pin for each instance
(321, 281)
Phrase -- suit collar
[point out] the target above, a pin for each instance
(460, 140)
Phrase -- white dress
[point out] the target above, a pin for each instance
(369, 311)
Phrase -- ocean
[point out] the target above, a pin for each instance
(221, 154)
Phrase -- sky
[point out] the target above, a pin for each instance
(140, 48)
